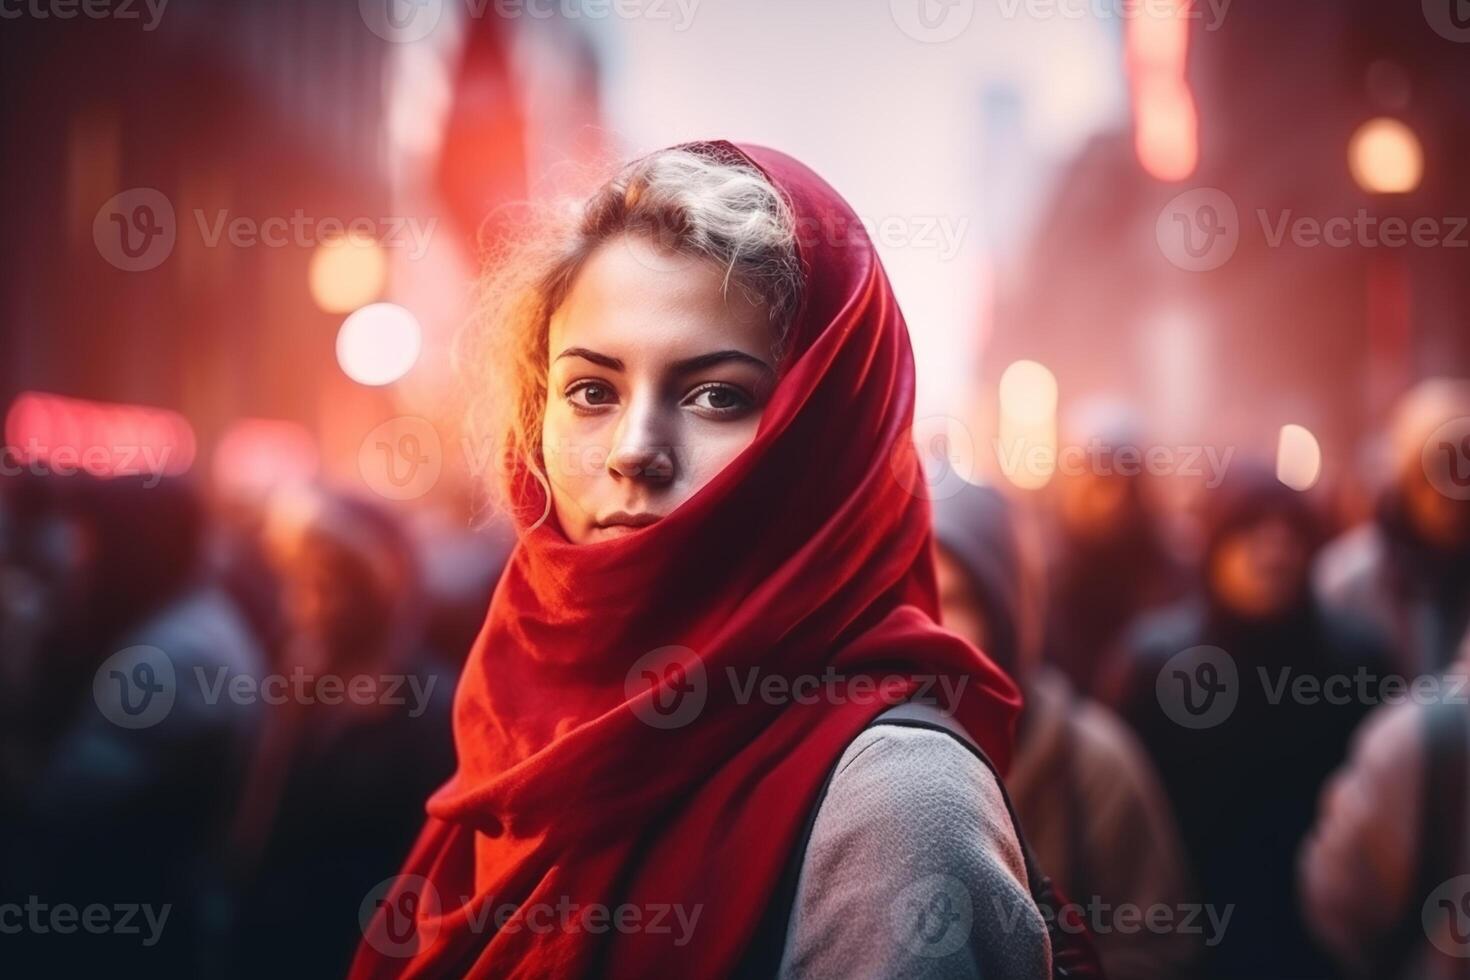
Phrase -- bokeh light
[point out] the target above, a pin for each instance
(1165, 119)
(1166, 132)
(347, 272)
(1028, 424)
(379, 344)
(1385, 157)
(64, 435)
(256, 456)
(1028, 392)
(1298, 457)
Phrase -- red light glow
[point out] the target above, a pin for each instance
(64, 436)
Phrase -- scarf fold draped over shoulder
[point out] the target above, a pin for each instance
(644, 722)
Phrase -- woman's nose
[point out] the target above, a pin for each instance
(641, 453)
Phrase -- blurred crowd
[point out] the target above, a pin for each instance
(1221, 760)
(218, 725)
(1243, 749)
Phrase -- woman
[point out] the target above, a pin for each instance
(723, 577)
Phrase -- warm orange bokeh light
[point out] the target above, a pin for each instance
(1385, 157)
(1028, 424)
(1166, 123)
(1165, 134)
(347, 272)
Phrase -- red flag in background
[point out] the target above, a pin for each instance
(482, 162)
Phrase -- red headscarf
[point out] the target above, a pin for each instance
(808, 555)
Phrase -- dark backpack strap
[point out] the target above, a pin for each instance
(1442, 816)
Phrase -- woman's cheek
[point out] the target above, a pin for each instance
(562, 448)
(711, 451)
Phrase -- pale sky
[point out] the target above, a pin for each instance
(897, 124)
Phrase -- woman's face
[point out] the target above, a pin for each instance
(657, 378)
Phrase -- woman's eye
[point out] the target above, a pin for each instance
(590, 394)
(719, 399)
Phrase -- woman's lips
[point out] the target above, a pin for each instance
(624, 519)
(621, 522)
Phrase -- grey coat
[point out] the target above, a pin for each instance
(913, 870)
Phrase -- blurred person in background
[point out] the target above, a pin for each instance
(1087, 795)
(460, 565)
(1242, 755)
(238, 561)
(1409, 569)
(337, 790)
(120, 768)
(1109, 558)
(1383, 873)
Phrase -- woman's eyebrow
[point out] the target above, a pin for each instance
(591, 355)
(686, 366)
(718, 357)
